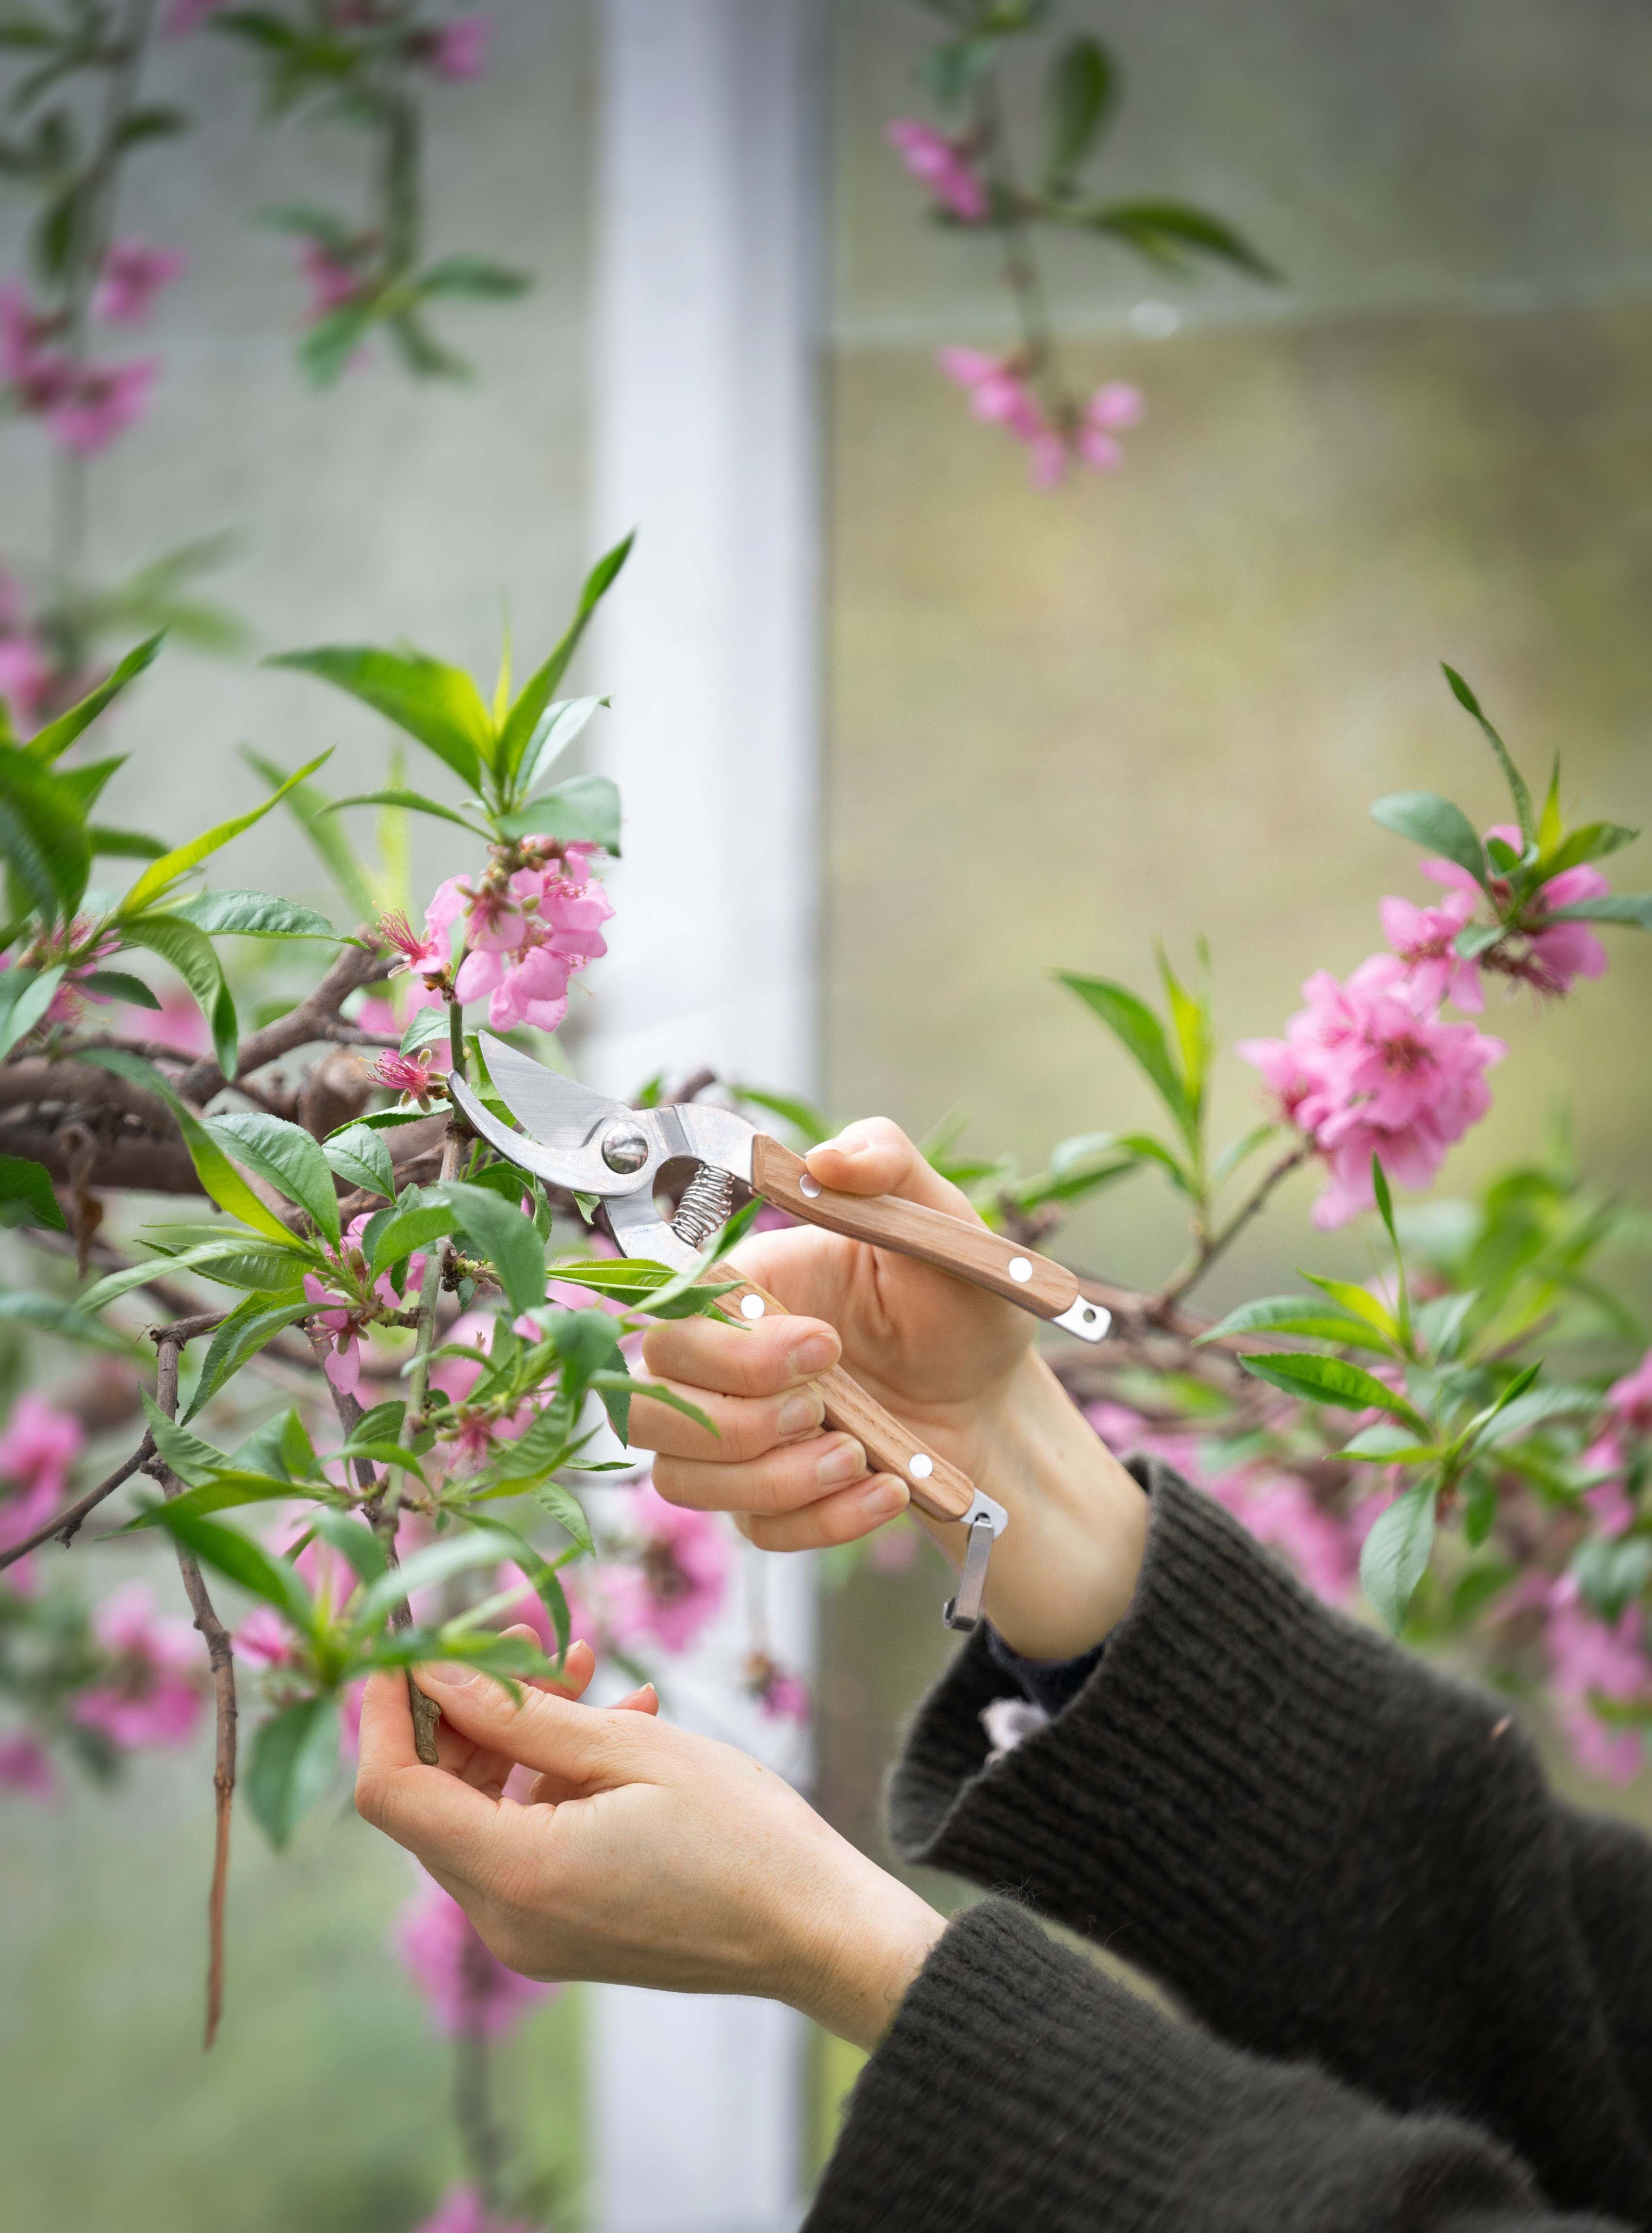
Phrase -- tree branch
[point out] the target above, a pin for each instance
(221, 1658)
(1210, 1246)
(355, 966)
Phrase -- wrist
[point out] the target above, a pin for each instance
(1065, 1569)
(858, 1951)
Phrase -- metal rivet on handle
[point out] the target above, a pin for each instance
(921, 1466)
(751, 1307)
(1020, 1270)
(808, 1186)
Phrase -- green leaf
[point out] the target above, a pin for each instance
(472, 276)
(1297, 1314)
(1141, 1035)
(413, 802)
(426, 1028)
(48, 744)
(586, 807)
(356, 1543)
(1428, 820)
(1359, 1302)
(286, 1156)
(122, 844)
(253, 915)
(1238, 1151)
(229, 1491)
(437, 705)
(160, 876)
(1078, 93)
(563, 721)
(404, 1230)
(1592, 841)
(1515, 782)
(218, 1177)
(192, 955)
(294, 1759)
(26, 1192)
(454, 1554)
(114, 1284)
(119, 985)
(1613, 907)
(250, 1326)
(504, 1236)
(25, 995)
(241, 1561)
(537, 694)
(1316, 1379)
(1190, 1021)
(43, 834)
(358, 1155)
(194, 1462)
(1168, 233)
(1396, 1555)
(329, 344)
(622, 1383)
(308, 803)
(1386, 1443)
(540, 1574)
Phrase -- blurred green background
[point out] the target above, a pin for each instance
(1059, 725)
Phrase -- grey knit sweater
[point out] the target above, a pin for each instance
(1420, 1987)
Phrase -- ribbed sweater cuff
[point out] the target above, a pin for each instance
(1023, 2091)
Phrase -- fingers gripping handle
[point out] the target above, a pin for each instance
(936, 1487)
(974, 1252)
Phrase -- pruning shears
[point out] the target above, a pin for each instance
(580, 1140)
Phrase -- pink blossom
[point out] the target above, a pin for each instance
(263, 1639)
(153, 1696)
(423, 957)
(28, 360)
(892, 1550)
(133, 275)
(1553, 958)
(463, 2210)
(1587, 1656)
(1110, 410)
(1361, 1073)
(677, 1586)
(39, 1445)
(27, 673)
(942, 165)
(459, 50)
(525, 942)
(100, 402)
(183, 16)
(410, 1074)
(1429, 969)
(26, 1767)
(333, 283)
(467, 1990)
(784, 1698)
(346, 1320)
(1631, 1398)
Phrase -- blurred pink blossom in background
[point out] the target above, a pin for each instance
(133, 275)
(26, 668)
(1587, 1656)
(99, 401)
(459, 50)
(465, 1989)
(1000, 395)
(941, 165)
(676, 1587)
(463, 2210)
(26, 1767)
(38, 1445)
(153, 1695)
(183, 16)
(332, 280)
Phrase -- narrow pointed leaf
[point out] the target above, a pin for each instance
(251, 1325)
(252, 914)
(160, 876)
(57, 736)
(1140, 1033)
(286, 1156)
(1515, 782)
(1436, 824)
(1397, 1551)
(1316, 1379)
(541, 688)
(1297, 1314)
(294, 1760)
(437, 705)
(191, 954)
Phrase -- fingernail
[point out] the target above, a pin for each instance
(844, 1461)
(443, 1675)
(800, 1414)
(885, 1498)
(812, 1355)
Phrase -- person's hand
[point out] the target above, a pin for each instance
(644, 1856)
(949, 1359)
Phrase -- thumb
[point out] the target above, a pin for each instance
(875, 1156)
(539, 1729)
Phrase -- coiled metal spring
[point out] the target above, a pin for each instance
(704, 1209)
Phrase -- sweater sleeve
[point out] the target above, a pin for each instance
(1021, 2090)
(1327, 1850)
